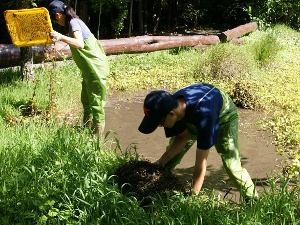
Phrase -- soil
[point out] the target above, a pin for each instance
(143, 180)
(258, 152)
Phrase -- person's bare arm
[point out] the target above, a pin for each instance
(176, 146)
(200, 169)
(76, 42)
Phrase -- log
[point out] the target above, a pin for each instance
(10, 54)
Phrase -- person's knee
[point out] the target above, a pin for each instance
(233, 167)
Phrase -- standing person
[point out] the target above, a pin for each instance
(90, 58)
(204, 113)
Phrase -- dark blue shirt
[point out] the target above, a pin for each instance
(203, 105)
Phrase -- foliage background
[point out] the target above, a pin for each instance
(111, 19)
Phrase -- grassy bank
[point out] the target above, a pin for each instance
(53, 172)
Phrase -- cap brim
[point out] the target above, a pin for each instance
(148, 125)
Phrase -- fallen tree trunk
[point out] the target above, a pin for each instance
(10, 55)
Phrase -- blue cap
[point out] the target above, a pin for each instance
(157, 105)
(56, 6)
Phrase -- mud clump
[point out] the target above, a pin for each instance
(143, 179)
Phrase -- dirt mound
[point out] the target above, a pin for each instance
(143, 179)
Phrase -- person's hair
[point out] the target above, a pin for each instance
(69, 14)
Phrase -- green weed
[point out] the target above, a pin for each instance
(53, 172)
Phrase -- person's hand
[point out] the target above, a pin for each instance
(55, 36)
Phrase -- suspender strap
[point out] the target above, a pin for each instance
(202, 99)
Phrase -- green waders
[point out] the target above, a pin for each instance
(227, 147)
(93, 63)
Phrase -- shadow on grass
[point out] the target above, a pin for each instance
(219, 181)
(9, 75)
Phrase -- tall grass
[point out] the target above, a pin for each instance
(52, 171)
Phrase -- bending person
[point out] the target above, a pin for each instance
(90, 58)
(202, 113)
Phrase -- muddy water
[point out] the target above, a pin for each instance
(259, 155)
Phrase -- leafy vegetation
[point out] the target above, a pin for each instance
(277, 12)
(111, 18)
(52, 171)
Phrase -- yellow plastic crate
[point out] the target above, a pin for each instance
(28, 27)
